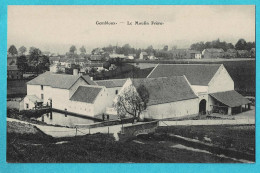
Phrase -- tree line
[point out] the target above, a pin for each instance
(240, 45)
(35, 62)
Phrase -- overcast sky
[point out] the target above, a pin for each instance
(56, 28)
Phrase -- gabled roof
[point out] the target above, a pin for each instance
(88, 80)
(87, 94)
(63, 81)
(117, 56)
(166, 89)
(54, 58)
(230, 98)
(34, 98)
(95, 58)
(144, 53)
(111, 83)
(214, 50)
(197, 74)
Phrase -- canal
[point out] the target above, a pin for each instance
(56, 118)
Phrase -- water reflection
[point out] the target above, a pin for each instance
(63, 119)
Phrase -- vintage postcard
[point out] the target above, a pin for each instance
(131, 84)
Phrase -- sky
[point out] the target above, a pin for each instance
(56, 28)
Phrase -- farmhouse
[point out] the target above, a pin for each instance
(143, 55)
(169, 97)
(213, 53)
(56, 88)
(194, 54)
(211, 83)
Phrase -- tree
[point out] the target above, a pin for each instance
(31, 50)
(165, 48)
(12, 50)
(22, 63)
(132, 101)
(241, 44)
(73, 49)
(35, 54)
(44, 63)
(106, 65)
(82, 50)
(22, 50)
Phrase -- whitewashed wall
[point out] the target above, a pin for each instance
(27, 101)
(221, 81)
(172, 109)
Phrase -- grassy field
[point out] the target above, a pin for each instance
(238, 137)
(26, 144)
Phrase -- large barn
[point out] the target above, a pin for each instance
(169, 97)
(211, 83)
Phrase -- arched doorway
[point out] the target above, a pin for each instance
(202, 107)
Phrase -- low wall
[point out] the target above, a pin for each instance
(105, 123)
(206, 122)
(142, 128)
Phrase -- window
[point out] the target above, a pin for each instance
(41, 87)
(27, 106)
(116, 92)
(42, 96)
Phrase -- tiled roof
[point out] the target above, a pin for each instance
(95, 58)
(230, 98)
(197, 74)
(166, 89)
(86, 94)
(63, 81)
(54, 58)
(88, 80)
(214, 50)
(117, 56)
(34, 98)
(111, 83)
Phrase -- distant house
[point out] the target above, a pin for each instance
(114, 55)
(14, 73)
(211, 83)
(97, 66)
(193, 54)
(81, 62)
(54, 59)
(212, 53)
(243, 54)
(131, 56)
(143, 55)
(96, 58)
(231, 53)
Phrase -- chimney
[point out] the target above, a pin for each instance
(75, 72)
(91, 78)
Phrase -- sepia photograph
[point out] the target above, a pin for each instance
(131, 84)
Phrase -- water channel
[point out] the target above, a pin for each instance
(56, 118)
